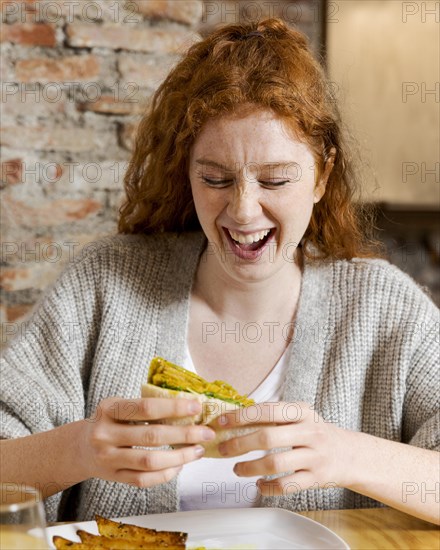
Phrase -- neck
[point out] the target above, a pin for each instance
(248, 301)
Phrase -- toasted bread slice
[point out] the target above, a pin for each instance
(211, 409)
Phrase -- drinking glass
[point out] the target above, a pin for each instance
(22, 518)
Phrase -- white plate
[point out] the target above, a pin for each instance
(245, 528)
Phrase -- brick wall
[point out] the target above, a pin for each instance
(76, 76)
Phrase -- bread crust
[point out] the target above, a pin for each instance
(212, 408)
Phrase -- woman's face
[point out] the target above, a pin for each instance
(254, 189)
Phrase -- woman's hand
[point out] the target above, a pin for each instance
(318, 454)
(314, 451)
(109, 437)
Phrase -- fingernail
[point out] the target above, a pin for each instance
(195, 407)
(236, 472)
(223, 420)
(208, 434)
(199, 451)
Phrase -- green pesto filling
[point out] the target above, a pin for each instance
(207, 393)
(166, 375)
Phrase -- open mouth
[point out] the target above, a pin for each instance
(250, 243)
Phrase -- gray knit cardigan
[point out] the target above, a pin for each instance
(365, 355)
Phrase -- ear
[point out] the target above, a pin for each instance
(323, 179)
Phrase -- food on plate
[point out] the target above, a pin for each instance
(116, 535)
(165, 379)
(115, 529)
(61, 543)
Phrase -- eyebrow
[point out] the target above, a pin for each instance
(207, 162)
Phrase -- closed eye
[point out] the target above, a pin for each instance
(217, 183)
(223, 183)
(274, 183)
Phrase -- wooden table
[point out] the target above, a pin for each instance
(379, 528)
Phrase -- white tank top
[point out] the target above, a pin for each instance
(211, 482)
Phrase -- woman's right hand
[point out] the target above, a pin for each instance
(110, 434)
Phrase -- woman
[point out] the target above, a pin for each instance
(280, 294)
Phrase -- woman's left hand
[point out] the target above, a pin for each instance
(314, 452)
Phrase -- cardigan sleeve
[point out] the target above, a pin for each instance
(421, 411)
(44, 370)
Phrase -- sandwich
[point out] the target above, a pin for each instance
(171, 381)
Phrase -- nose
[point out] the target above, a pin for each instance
(244, 204)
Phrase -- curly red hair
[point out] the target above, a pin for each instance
(271, 68)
